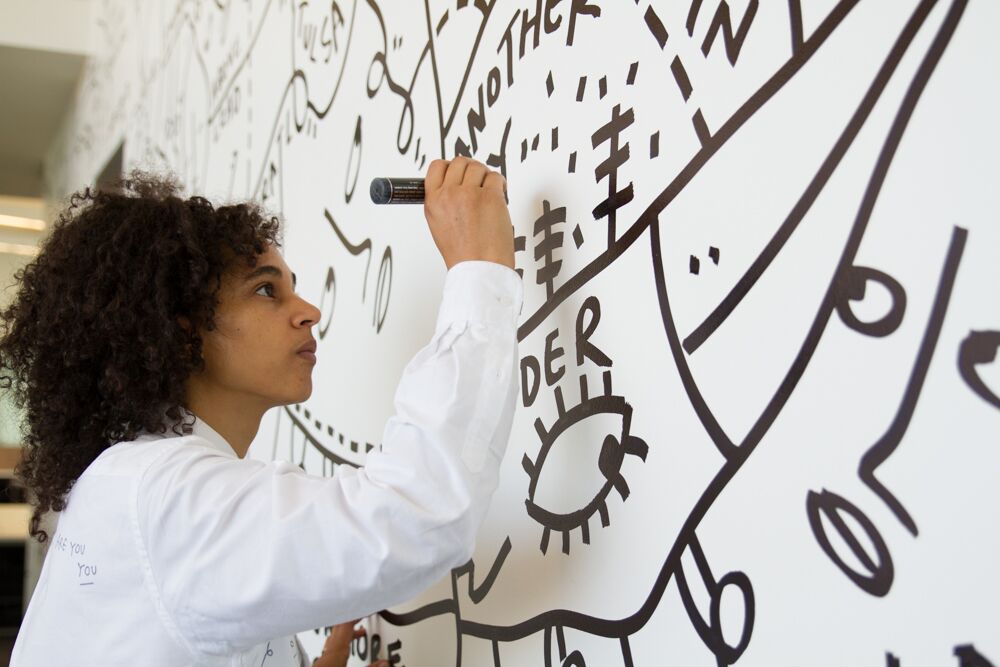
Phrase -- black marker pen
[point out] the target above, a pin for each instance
(397, 190)
(401, 191)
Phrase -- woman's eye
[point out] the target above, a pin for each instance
(268, 290)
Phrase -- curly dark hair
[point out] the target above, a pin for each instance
(103, 332)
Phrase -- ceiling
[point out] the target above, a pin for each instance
(43, 44)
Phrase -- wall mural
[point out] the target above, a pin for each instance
(759, 398)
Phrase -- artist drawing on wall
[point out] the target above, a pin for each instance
(758, 389)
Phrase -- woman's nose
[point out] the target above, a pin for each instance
(308, 315)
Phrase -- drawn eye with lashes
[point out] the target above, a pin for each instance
(615, 445)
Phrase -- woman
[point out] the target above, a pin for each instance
(145, 343)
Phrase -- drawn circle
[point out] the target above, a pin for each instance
(725, 651)
(379, 60)
(353, 164)
(326, 310)
(383, 289)
(405, 120)
(300, 97)
(852, 285)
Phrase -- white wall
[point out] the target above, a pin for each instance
(790, 419)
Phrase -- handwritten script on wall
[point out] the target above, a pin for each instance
(759, 390)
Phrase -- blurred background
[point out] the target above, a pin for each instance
(43, 45)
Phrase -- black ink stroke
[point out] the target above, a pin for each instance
(979, 348)
(736, 456)
(728, 129)
(354, 249)
(739, 291)
(852, 286)
(968, 656)
(887, 444)
(710, 631)
(877, 576)
(613, 451)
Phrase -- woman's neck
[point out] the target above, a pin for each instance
(235, 418)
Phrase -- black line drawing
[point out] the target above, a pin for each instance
(297, 103)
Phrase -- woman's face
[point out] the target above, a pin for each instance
(262, 348)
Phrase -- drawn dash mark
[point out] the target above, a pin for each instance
(654, 145)
(581, 88)
(631, 73)
(603, 86)
(572, 162)
(549, 85)
(701, 128)
(656, 27)
(681, 77)
(440, 25)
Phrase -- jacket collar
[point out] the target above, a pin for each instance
(211, 437)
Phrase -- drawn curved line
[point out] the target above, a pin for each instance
(629, 625)
(289, 86)
(877, 576)
(405, 93)
(757, 268)
(241, 65)
(887, 444)
(478, 593)
(446, 125)
(434, 71)
(853, 285)
(979, 347)
(340, 75)
(353, 249)
(439, 608)
(649, 217)
(316, 443)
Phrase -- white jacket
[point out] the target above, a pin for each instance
(173, 551)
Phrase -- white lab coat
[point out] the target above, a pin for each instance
(173, 551)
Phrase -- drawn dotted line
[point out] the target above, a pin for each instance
(330, 431)
(681, 79)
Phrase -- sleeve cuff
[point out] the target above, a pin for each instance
(478, 291)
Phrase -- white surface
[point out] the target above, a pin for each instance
(241, 102)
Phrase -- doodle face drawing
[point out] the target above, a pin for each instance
(758, 393)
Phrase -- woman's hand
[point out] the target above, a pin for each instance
(466, 210)
(338, 646)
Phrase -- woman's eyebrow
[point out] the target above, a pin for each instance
(268, 269)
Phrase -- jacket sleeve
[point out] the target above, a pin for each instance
(242, 551)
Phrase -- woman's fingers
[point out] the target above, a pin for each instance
(475, 174)
(495, 180)
(435, 175)
(456, 171)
